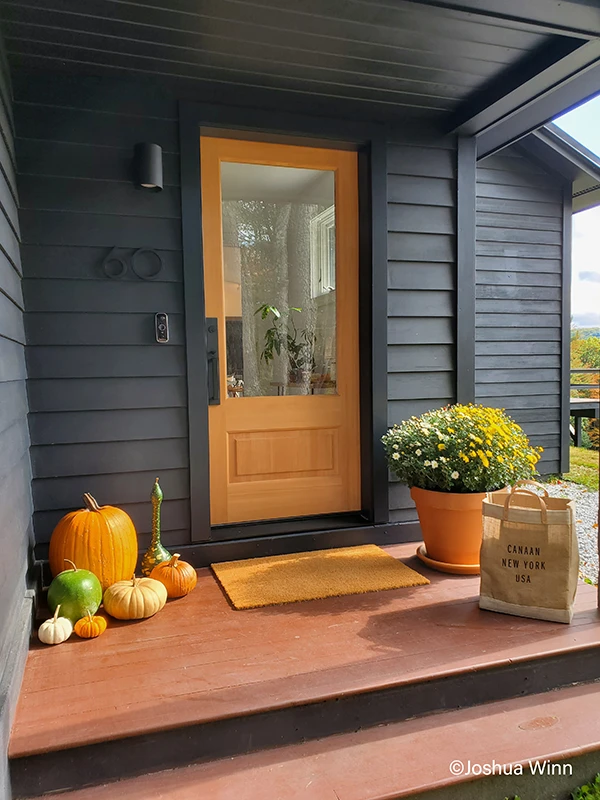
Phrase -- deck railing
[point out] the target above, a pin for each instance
(579, 407)
(585, 385)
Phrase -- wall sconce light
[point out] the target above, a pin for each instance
(147, 166)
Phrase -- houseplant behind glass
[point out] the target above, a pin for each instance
(451, 458)
(284, 336)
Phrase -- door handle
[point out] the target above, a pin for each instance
(212, 361)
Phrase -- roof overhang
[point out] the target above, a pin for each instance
(558, 75)
(570, 158)
(492, 69)
(554, 149)
(526, 105)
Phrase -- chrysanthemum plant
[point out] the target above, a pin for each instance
(460, 448)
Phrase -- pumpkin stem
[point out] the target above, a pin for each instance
(90, 502)
(55, 617)
(174, 559)
(68, 561)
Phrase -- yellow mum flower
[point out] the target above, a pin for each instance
(441, 446)
(483, 458)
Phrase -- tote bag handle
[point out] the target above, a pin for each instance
(528, 482)
(516, 492)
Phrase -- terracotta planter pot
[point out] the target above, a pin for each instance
(451, 525)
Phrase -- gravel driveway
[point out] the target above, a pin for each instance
(586, 514)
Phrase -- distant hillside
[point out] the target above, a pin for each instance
(585, 333)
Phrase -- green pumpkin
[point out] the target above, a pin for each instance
(77, 591)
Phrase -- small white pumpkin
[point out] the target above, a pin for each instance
(55, 630)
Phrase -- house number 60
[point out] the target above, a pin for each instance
(118, 261)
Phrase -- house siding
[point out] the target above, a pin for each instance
(421, 285)
(15, 477)
(15, 473)
(108, 406)
(107, 403)
(519, 297)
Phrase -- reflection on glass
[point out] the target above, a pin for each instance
(280, 278)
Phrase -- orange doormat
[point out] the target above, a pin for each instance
(271, 581)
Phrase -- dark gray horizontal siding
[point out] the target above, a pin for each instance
(108, 406)
(421, 286)
(15, 470)
(122, 488)
(519, 297)
(492, 291)
(80, 125)
(98, 458)
(78, 229)
(90, 394)
(496, 204)
(529, 266)
(99, 361)
(121, 197)
(538, 332)
(10, 280)
(103, 297)
(108, 426)
(492, 363)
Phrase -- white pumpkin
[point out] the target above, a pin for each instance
(55, 630)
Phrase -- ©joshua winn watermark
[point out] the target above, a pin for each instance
(458, 767)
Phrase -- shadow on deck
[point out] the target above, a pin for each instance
(201, 682)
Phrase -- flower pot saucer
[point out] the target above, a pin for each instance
(442, 566)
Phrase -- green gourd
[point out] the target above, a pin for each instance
(156, 553)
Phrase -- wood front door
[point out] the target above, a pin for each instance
(280, 238)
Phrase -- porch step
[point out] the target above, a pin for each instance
(201, 682)
(405, 759)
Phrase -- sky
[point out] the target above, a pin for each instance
(583, 124)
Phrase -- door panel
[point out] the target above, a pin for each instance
(280, 234)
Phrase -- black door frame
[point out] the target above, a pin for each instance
(370, 140)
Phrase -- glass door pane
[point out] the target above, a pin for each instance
(279, 257)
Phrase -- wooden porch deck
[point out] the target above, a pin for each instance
(201, 681)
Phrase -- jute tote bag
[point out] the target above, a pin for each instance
(529, 555)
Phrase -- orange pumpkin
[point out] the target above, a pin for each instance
(89, 627)
(178, 577)
(101, 539)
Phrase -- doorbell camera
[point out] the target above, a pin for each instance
(161, 328)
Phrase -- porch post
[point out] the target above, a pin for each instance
(465, 268)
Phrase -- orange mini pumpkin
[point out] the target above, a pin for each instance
(178, 577)
(89, 627)
(101, 539)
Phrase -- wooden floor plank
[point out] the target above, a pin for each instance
(393, 761)
(199, 660)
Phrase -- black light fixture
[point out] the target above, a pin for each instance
(147, 166)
